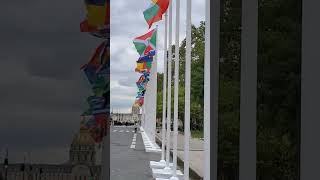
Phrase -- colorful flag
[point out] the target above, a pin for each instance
(148, 57)
(97, 66)
(155, 11)
(139, 101)
(101, 127)
(96, 58)
(97, 22)
(98, 15)
(146, 43)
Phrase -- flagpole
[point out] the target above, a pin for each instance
(187, 93)
(167, 168)
(176, 92)
(206, 109)
(154, 92)
(164, 98)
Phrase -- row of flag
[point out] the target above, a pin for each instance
(146, 47)
(97, 70)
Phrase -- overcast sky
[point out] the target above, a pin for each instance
(127, 22)
(42, 90)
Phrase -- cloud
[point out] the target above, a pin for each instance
(42, 89)
(127, 22)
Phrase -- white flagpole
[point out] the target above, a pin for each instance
(153, 94)
(206, 109)
(187, 93)
(169, 90)
(164, 98)
(176, 92)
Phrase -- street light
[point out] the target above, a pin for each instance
(40, 173)
(6, 165)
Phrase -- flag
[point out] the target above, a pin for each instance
(101, 128)
(98, 16)
(143, 66)
(148, 57)
(88, 122)
(139, 101)
(102, 32)
(146, 43)
(98, 67)
(96, 58)
(155, 11)
(97, 22)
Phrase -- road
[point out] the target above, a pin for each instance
(129, 161)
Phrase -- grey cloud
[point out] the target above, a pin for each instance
(42, 89)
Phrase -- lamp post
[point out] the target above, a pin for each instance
(6, 164)
(40, 173)
(23, 167)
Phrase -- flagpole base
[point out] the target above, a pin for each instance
(159, 164)
(174, 178)
(165, 173)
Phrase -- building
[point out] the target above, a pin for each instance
(122, 118)
(82, 164)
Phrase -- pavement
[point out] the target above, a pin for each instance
(129, 161)
(196, 155)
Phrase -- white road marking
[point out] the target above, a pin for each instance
(133, 144)
(121, 131)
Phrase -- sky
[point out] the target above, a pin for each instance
(42, 90)
(127, 22)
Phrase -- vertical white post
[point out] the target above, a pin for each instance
(176, 92)
(310, 88)
(143, 114)
(187, 93)
(206, 109)
(153, 94)
(146, 110)
(164, 98)
(169, 89)
(248, 95)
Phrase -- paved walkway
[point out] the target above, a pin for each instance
(128, 157)
(196, 152)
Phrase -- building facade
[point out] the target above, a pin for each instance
(82, 164)
(133, 117)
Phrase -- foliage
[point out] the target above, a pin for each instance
(278, 103)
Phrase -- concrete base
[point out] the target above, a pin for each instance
(172, 178)
(165, 173)
(149, 146)
(159, 164)
(168, 179)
